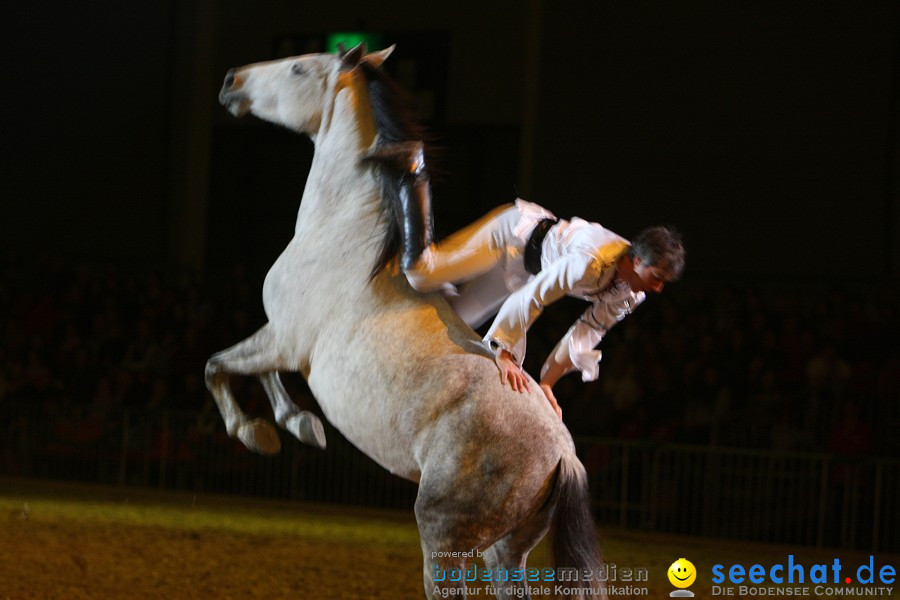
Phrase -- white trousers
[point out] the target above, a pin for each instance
(485, 259)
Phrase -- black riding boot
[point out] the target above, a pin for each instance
(416, 225)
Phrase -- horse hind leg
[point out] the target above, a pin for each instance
(444, 576)
(444, 537)
(256, 354)
(304, 425)
(511, 552)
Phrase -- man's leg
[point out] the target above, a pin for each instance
(481, 298)
(466, 254)
(416, 225)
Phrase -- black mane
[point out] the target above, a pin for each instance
(394, 123)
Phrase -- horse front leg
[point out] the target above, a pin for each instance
(255, 355)
(304, 425)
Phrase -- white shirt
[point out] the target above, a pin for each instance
(578, 259)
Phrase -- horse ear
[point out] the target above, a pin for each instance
(350, 58)
(377, 58)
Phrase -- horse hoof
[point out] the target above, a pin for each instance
(259, 436)
(307, 428)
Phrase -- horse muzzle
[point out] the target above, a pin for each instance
(232, 97)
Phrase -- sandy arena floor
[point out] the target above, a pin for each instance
(110, 544)
(74, 542)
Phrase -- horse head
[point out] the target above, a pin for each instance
(291, 91)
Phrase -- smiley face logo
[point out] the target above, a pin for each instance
(682, 573)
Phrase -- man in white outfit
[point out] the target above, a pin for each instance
(520, 258)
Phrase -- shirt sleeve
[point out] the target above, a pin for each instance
(526, 304)
(583, 337)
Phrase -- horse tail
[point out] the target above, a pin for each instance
(573, 535)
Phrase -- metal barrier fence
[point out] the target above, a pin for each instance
(182, 450)
(809, 499)
(803, 499)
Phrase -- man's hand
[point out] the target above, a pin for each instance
(548, 391)
(510, 371)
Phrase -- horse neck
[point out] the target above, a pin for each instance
(340, 189)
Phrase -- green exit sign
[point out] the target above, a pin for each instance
(352, 38)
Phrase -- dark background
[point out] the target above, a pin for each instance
(766, 131)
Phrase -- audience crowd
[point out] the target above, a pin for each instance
(786, 367)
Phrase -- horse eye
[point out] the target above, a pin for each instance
(296, 69)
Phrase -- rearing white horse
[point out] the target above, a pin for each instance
(398, 373)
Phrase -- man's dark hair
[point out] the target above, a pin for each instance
(660, 247)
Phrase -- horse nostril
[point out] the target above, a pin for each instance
(229, 79)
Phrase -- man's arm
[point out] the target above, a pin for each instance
(576, 350)
(511, 372)
(525, 305)
(557, 365)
